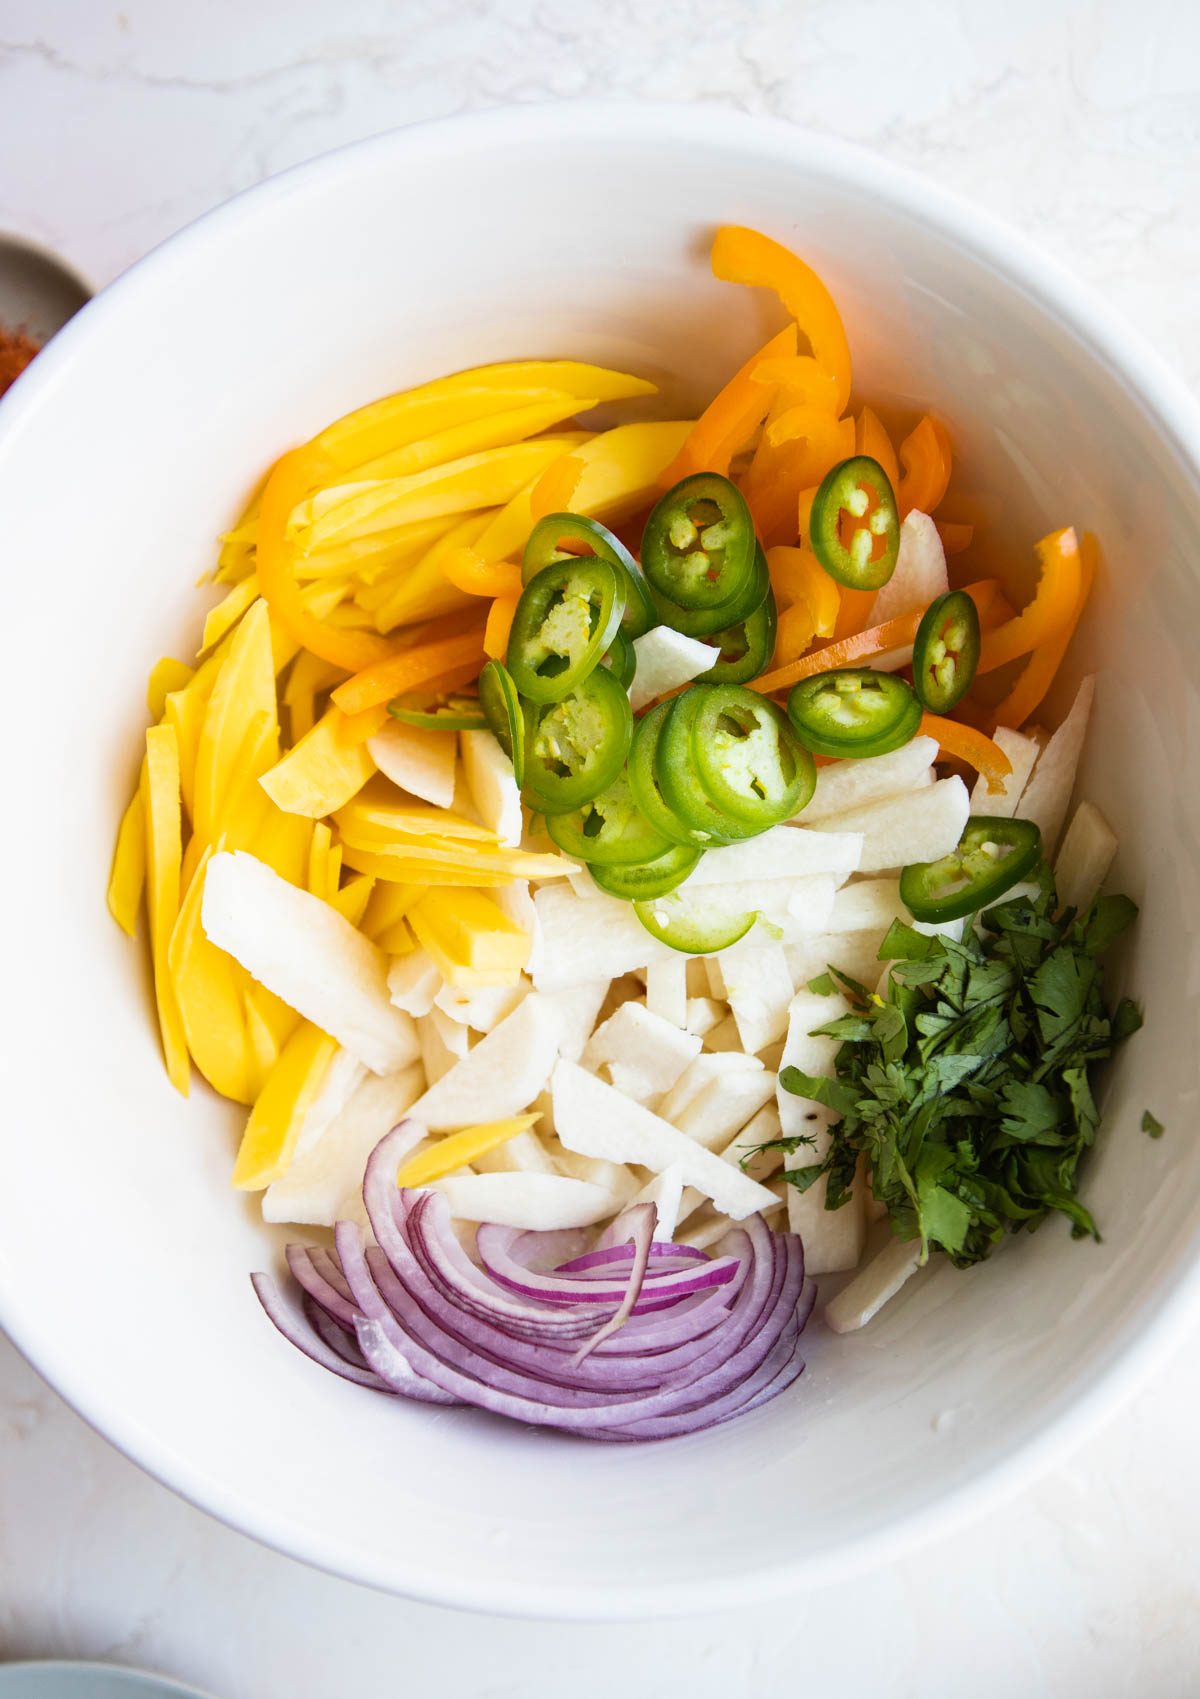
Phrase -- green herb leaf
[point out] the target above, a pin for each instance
(1152, 1125)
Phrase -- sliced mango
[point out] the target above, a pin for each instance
(396, 940)
(165, 676)
(287, 1095)
(423, 592)
(459, 1149)
(471, 930)
(318, 862)
(388, 905)
(269, 1025)
(240, 735)
(322, 772)
(368, 557)
(128, 875)
(401, 871)
(228, 612)
(495, 430)
(512, 864)
(159, 789)
(236, 559)
(379, 810)
(350, 899)
(310, 675)
(209, 986)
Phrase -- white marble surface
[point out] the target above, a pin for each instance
(1079, 121)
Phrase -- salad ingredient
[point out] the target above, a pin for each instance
(967, 1085)
(1087, 851)
(562, 537)
(639, 1053)
(620, 659)
(781, 852)
(609, 830)
(1000, 795)
(921, 826)
(855, 711)
(323, 771)
(758, 988)
(854, 527)
(665, 660)
(281, 1109)
(993, 854)
(696, 924)
(576, 746)
(734, 413)
(501, 707)
(501, 1076)
(742, 751)
(537, 1202)
(833, 1240)
(469, 938)
(920, 575)
(698, 546)
(416, 759)
(946, 652)
(1047, 796)
(876, 778)
(595, 1120)
(323, 1181)
(459, 1149)
(1040, 670)
(493, 785)
(646, 783)
(127, 878)
(451, 713)
(718, 617)
(863, 1297)
(745, 648)
(159, 794)
(925, 456)
(307, 954)
(564, 621)
(966, 744)
(649, 879)
(1051, 612)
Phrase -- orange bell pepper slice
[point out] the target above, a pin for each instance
(798, 378)
(409, 669)
(1038, 674)
(871, 439)
(858, 650)
(778, 473)
(927, 458)
(555, 489)
(1051, 612)
(730, 417)
(292, 478)
(854, 612)
(499, 624)
(955, 538)
(798, 576)
(747, 256)
(794, 633)
(969, 745)
(477, 575)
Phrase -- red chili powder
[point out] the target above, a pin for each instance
(16, 351)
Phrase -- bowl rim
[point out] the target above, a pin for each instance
(1112, 1378)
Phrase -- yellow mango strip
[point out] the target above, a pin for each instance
(513, 864)
(208, 987)
(265, 1041)
(555, 489)
(477, 480)
(410, 669)
(236, 559)
(382, 426)
(227, 613)
(395, 940)
(424, 591)
(322, 772)
(458, 1150)
(287, 1096)
(499, 626)
(368, 557)
(292, 477)
(309, 677)
(471, 929)
(621, 469)
(352, 898)
(505, 532)
(400, 870)
(318, 862)
(387, 908)
(496, 430)
(165, 676)
(159, 789)
(240, 734)
(128, 875)
(382, 807)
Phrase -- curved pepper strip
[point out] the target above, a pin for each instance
(408, 670)
(926, 456)
(793, 634)
(967, 744)
(747, 256)
(1038, 675)
(853, 611)
(798, 576)
(292, 477)
(555, 490)
(730, 417)
(955, 538)
(857, 651)
(779, 472)
(871, 438)
(798, 378)
(1049, 614)
(499, 624)
(468, 570)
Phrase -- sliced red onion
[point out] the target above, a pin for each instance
(634, 1339)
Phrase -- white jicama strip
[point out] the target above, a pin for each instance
(759, 988)
(1022, 751)
(538, 1203)
(613, 1177)
(868, 905)
(518, 905)
(583, 884)
(714, 1116)
(420, 761)
(703, 1014)
(665, 660)
(444, 1043)
(482, 1008)
(710, 1227)
(643, 1054)
(664, 1192)
(578, 1007)
(493, 789)
(803, 904)
(919, 576)
(343, 1077)
(414, 981)
(833, 1239)
(323, 1183)
(1048, 793)
(873, 1285)
(700, 1076)
(501, 1076)
(309, 955)
(524, 1153)
(595, 1120)
(590, 939)
(921, 827)
(783, 852)
(855, 953)
(874, 778)
(666, 991)
(759, 1130)
(1087, 851)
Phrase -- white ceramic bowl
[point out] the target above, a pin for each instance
(134, 440)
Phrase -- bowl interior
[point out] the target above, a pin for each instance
(123, 1254)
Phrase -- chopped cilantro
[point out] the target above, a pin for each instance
(1152, 1125)
(967, 1088)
